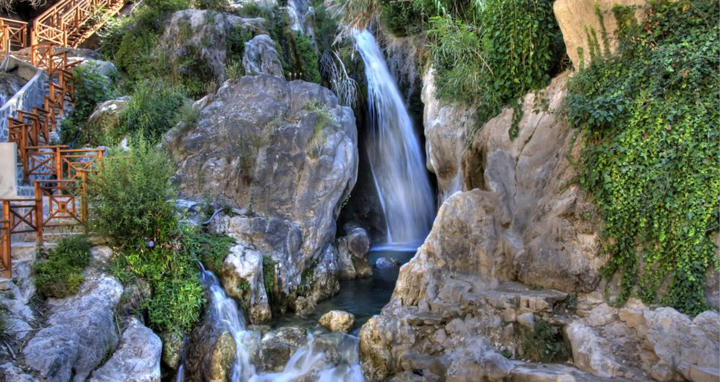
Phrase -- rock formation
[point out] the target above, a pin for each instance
(284, 151)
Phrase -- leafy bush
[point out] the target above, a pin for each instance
(91, 88)
(402, 18)
(493, 54)
(210, 248)
(131, 198)
(650, 160)
(61, 274)
(152, 110)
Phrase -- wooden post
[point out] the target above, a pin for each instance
(39, 218)
(6, 238)
(58, 164)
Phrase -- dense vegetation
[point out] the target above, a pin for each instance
(484, 53)
(60, 274)
(651, 156)
(132, 204)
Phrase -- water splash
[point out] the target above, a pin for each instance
(310, 361)
(396, 161)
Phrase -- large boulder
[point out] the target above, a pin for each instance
(284, 151)
(137, 358)
(276, 348)
(203, 35)
(578, 19)
(80, 331)
(447, 126)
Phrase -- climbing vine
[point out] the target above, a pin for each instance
(651, 156)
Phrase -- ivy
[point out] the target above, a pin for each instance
(651, 156)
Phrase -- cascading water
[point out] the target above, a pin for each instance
(394, 153)
(307, 361)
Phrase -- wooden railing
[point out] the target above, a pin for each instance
(14, 35)
(71, 22)
(66, 202)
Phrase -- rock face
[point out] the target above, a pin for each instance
(337, 321)
(204, 33)
(260, 57)
(353, 254)
(242, 278)
(446, 129)
(512, 265)
(80, 332)
(136, 359)
(287, 153)
(576, 17)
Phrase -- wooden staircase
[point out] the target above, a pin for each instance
(56, 173)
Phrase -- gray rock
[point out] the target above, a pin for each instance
(353, 254)
(260, 57)
(80, 332)
(106, 68)
(204, 32)
(210, 351)
(242, 278)
(106, 115)
(256, 146)
(137, 358)
(12, 373)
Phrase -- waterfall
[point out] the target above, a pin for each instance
(309, 362)
(394, 153)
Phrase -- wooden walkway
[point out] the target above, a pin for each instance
(68, 23)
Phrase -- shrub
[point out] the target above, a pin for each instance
(61, 274)
(650, 157)
(131, 198)
(210, 248)
(91, 88)
(152, 110)
(544, 343)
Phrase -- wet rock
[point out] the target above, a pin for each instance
(133, 296)
(136, 359)
(386, 262)
(276, 348)
(337, 321)
(172, 344)
(260, 57)
(210, 352)
(242, 278)
(80, 332)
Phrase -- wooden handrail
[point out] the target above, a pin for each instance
(5, 254)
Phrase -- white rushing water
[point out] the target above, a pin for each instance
(394, 152)
(307, 361)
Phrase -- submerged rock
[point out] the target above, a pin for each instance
(337, 321)
(80, 332)
(136, 359)
(386, 263)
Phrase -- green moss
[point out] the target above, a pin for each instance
(60, 275)
(268, 265)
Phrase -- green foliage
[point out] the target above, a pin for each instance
(211, 249)
(544, 343)
(60, 275)
(305, 59)
(493, 52)
(402, 18)
(131, 199)
(650, 158)
(91, 88)
(153, 109)
(268, 265)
